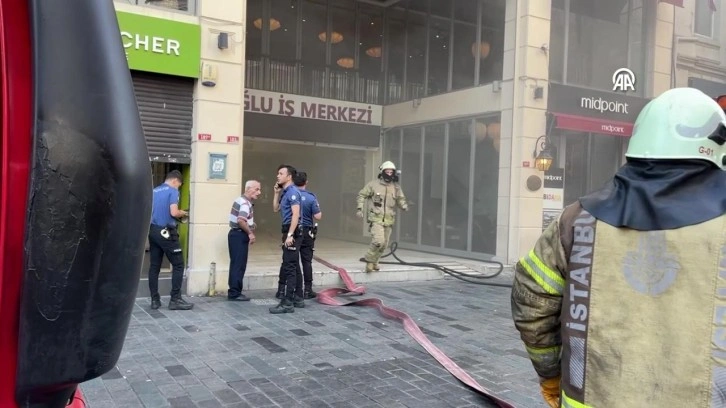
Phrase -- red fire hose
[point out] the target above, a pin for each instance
(328, 297)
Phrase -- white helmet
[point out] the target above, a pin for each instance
(387, 165)
(681, 123)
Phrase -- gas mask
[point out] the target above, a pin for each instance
(392, 178)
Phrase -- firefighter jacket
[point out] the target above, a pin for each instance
(628, 318)
(381, 198)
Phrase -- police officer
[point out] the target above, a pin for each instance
(241, 235)
(622, 300)
(310, 210)
(164, 240)
(385, 195)
(287, 202)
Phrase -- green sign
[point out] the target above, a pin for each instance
(163, 46)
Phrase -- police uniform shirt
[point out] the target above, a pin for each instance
(308, 208)
(164, 196)
(242, 208)
(290, 197)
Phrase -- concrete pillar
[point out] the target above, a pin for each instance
(526, 67)
(219, 112)
(662, 55)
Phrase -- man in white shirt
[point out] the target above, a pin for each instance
(240, 237)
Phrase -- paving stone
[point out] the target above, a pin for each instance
(220, 354)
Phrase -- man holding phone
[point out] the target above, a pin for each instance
(164, 240)
(287, 202)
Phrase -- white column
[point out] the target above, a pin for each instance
(218, 111)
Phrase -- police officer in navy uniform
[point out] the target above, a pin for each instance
(310, 213)
(287, 202)
(164, 240)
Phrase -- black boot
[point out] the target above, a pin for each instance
(155, 301)
(298, 302)
(285, 306)
(308, 293)
(280, 291)
(178, 303)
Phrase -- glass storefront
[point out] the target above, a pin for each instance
(450, 175)
(589, 161)
(354, 51)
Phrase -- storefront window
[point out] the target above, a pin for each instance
(416, 52)
(314, 22)
(418, 47)
(486, 185)
(590, 162)
(410, 174)
(439, 49)
(370, 53)
(457, 185)
(433, 185)
(395, 41)
(343, 63)
(283, 29)
(465, 43)
(436, 174)
(254, 70)
(592, 39)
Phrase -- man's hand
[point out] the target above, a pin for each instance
(252, 238)
(359, 213)
(276, 188)
(289, 241)
(550, 390)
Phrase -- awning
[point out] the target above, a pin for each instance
(592, 125)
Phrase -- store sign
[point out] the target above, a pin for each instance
(593, 103)
(553, 195)
(307, 107)
(158, 45)
(554, 189)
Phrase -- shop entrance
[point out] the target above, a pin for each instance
(335, 175)
(590, 160)
(158, 174)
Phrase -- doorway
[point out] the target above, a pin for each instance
(335, 175)
(159, 170)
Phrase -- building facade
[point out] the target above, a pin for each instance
(699, 46)
(463, 95)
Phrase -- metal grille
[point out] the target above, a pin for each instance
(166, 109)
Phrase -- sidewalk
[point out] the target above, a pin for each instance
(236, 354)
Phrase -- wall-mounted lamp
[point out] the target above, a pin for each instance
(544, 159)
(223, 41)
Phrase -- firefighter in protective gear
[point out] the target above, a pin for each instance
(380, 198)
(622, 300)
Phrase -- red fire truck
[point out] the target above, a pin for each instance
(76, 198)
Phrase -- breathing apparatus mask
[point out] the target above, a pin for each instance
(389, 178)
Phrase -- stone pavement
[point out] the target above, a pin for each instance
(236, 354)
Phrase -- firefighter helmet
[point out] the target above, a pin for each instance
(387, 165)
(681, 123)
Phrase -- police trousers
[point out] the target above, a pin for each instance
(165, 241)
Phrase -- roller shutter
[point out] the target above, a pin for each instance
(165, 105)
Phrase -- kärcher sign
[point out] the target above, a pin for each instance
(160, 45)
